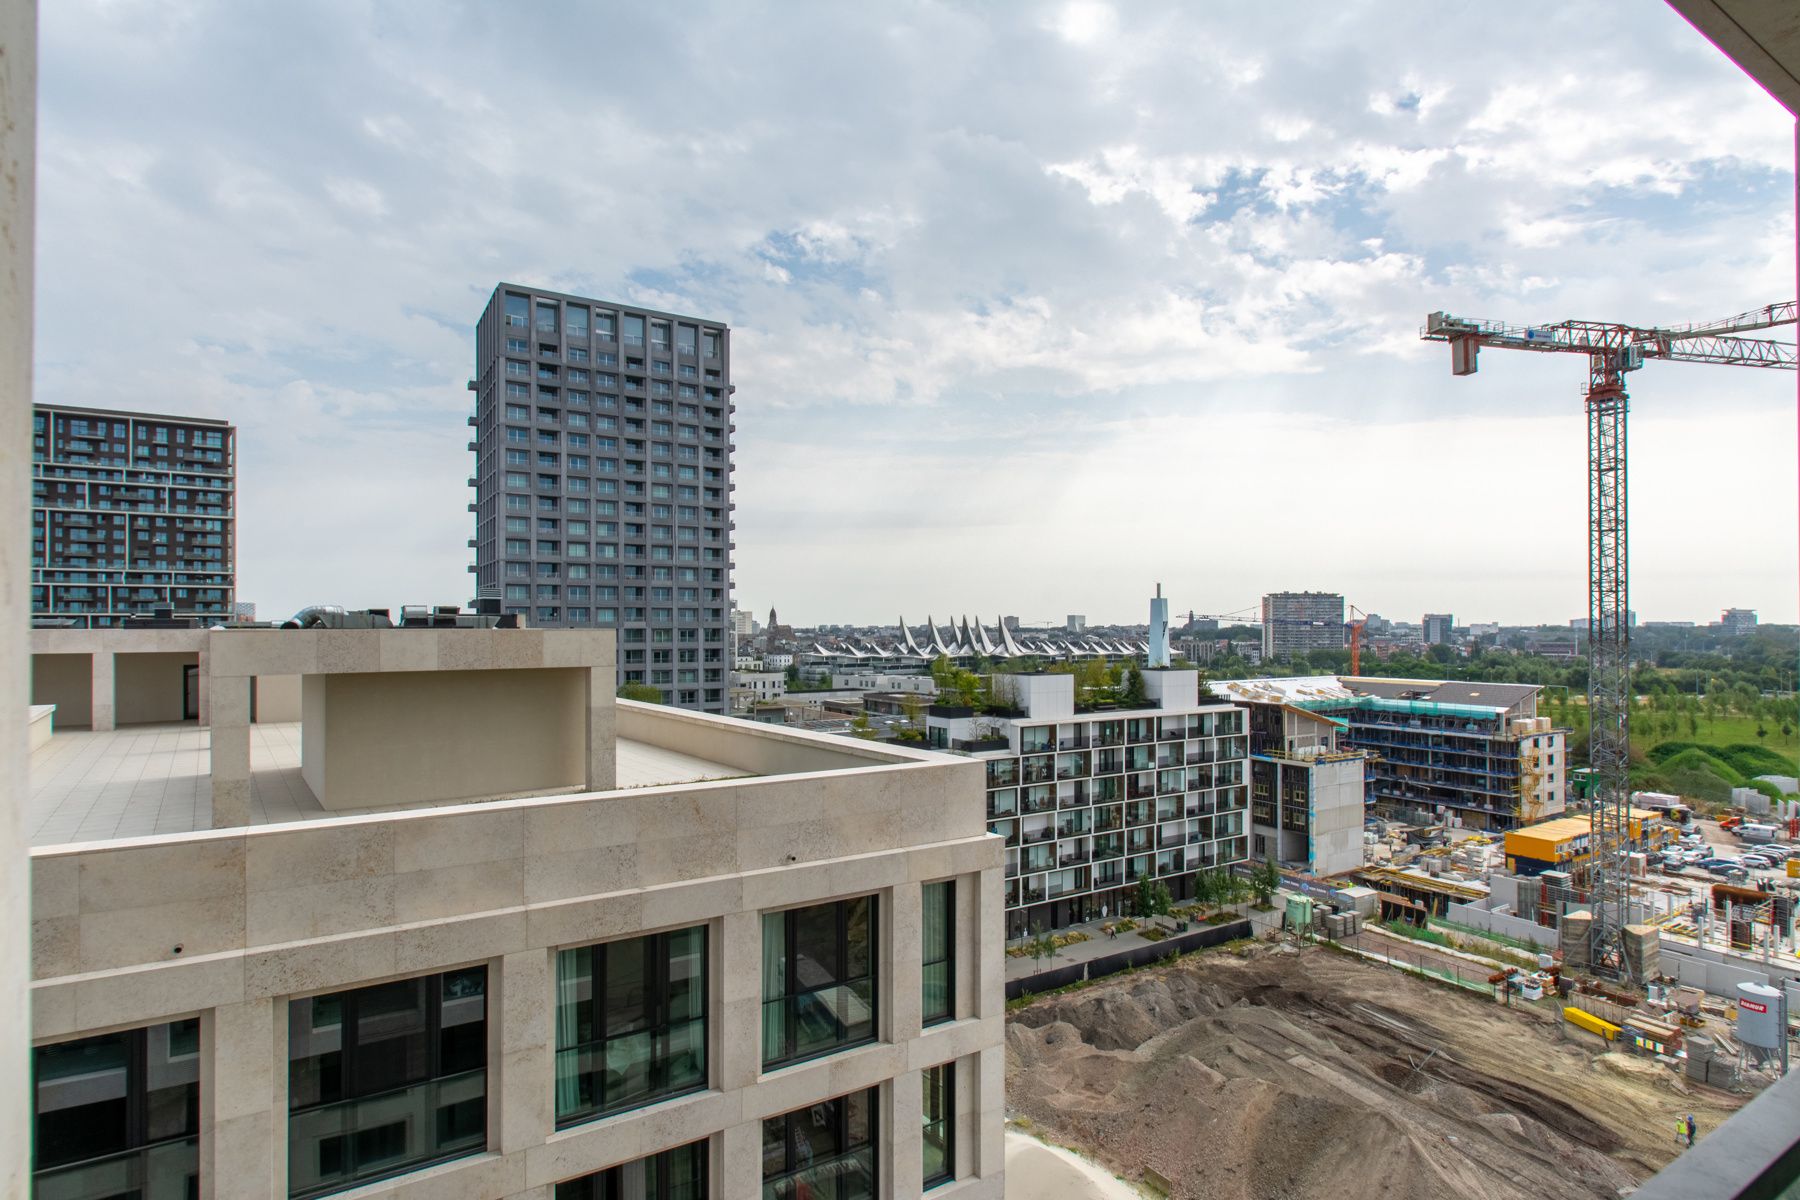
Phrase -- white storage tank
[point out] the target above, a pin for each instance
(1760, 1016)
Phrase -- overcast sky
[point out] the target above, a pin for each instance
(1033, 306)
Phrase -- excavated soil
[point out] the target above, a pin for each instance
(1310, 1075)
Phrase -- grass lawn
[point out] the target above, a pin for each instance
(1721, 731)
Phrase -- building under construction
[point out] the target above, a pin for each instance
(1475, 755)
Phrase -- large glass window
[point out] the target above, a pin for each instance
(818, 979)
(630, 1023)
(119, 1115)
(827, 1150)
(937, 972)
(678, 1174)
(939, 1116)
(386, 1079)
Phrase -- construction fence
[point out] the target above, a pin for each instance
(1423, 959)
(1124, 960)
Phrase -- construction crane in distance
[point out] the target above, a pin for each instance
(1612, 351)
(1356, 632)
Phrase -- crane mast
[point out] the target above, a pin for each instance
(1613, 350)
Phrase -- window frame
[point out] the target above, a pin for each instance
(945, 1120)
(792, 989)
(790, 1167)
(136, 1116)
(349, 1066)
(948, 961)
(655, 1000)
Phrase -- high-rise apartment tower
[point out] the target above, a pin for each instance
(1297, 622)
(603, 440)
(131, 513)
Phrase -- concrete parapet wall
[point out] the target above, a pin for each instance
(753, 748)
(1502, 923)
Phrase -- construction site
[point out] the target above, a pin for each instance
(1280, 1070)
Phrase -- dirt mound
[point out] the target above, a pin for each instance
(1294, 1077)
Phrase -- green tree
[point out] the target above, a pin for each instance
(1152, 898)
(1266, 881)
(641, 692)
(1134, 696)
(861, 727)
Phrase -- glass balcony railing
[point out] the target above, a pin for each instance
(165, 1171)
(846, 1176)
(812, 1023)
(337, 1145)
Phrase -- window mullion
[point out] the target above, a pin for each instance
(137, 1088)
(347, 1046)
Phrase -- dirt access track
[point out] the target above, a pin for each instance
(1284, 1073)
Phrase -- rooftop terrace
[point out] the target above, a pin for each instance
(145, 780)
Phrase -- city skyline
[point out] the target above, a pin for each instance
(1003, 292)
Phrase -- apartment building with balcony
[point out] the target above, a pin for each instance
(131, 513)
(1091, 802)
(469, 927)
(602, 436)
(1472, 754)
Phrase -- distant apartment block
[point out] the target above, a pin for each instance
(602, 437)
(1738, 620)
(1300, 622)
(1436, 628)
(1091, 802)
(131, 513)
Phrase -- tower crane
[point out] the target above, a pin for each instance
(1612, 351)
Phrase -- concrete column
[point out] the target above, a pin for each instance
(989, 964)
(18, 190)
(900, 995)
(239, 1118)
(105, 693)
(740, 1160)
(521, 1095)
(985, 1156)
(737, 982)
(602, 730)
(903, 1151)
(204, 685)
(231, 754)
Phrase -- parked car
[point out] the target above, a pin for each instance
(1754, 862)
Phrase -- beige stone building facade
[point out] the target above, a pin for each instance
(683, 956)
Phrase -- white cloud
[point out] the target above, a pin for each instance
(997, 274)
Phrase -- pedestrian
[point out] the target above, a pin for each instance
(1690, 1128)
(1681, 1132)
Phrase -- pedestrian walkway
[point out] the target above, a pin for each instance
(1099, 945)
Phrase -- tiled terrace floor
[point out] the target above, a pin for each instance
(152, 779)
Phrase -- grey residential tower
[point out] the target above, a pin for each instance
(602, 435)
(130, 513)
